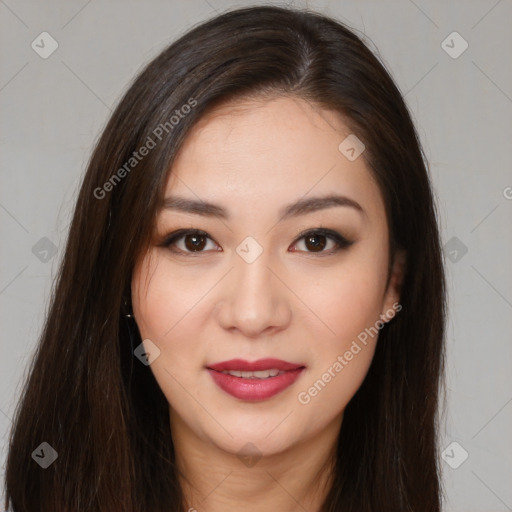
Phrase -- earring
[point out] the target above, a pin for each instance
(128, 308)
(131, 334)
(130, 325)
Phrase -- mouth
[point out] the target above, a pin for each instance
(254, 381)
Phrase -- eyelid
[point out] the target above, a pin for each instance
(340, 240)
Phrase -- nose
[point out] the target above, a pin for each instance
(253, 300)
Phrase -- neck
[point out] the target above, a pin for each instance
(214, 480)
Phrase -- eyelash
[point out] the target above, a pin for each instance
(341, 241)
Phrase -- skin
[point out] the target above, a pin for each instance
(254, 157)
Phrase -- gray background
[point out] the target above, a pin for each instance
(53, 109)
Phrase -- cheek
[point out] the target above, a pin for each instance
(341, 360)
(166, 306)
(350, 303)
(327, 391)
(164, 296)
(162, 303)
(347, 299)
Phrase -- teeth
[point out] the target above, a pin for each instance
(262, 374)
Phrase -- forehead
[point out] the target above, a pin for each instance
(269, 152)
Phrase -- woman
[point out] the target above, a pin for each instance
(250, 309)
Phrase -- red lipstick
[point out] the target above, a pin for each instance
(272, 376)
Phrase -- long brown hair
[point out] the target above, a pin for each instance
(100, 408)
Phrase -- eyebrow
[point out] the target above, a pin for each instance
(300, 207)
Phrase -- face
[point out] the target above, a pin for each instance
(255, 278)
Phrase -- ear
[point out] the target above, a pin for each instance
(391, 304)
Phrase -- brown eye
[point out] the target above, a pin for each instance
(322, 241)
(189, 241)
(315, 242)
(195, 242)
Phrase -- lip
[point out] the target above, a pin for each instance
(254, 389)
(260, 364)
